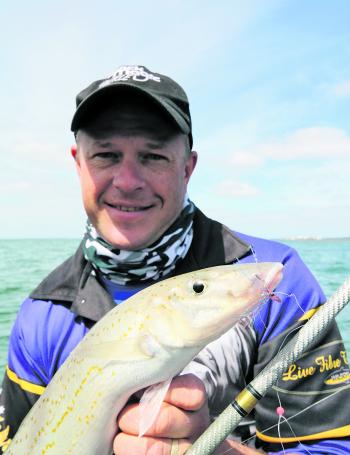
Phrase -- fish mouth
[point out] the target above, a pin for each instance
(269, 279)
(274, 276)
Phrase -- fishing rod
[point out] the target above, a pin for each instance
(247, 399)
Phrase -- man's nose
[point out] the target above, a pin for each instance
(128, 177)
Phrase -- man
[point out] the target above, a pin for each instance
(134, 159)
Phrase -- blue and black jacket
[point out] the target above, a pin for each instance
(61, 310)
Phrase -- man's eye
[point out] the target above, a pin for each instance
(154, 157)
(111, 156)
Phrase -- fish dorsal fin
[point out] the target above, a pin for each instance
(150, 404)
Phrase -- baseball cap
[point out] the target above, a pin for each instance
(167, 93)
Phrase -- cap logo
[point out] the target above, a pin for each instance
(124, 73)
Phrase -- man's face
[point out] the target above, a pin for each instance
(133, 185)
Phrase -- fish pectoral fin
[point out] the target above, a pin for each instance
(130, 349)
(150, 404)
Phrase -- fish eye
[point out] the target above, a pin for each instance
(198, 287)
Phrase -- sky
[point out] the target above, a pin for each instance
(269, 89)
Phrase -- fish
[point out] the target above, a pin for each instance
(140, 344)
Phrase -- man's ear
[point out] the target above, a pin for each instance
(190, 164)
(74, 151)
(75, 155)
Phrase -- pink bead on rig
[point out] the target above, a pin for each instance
(280, 410)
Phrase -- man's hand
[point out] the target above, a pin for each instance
(184, 416)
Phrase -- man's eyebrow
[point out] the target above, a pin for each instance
(156, 144)
(103, 143)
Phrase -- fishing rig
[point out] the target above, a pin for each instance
(247, 399)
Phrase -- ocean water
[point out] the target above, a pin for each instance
(24, 263)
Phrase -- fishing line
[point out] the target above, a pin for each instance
(254, 254)
(228, 420)
(265, 293)
(303, 410)
(295, 298)
(280, 412)
(280, 409)
(257, 312)
(290, 418)
(281, 418)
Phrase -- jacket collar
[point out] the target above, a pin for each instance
(213, 244)
(75, 283)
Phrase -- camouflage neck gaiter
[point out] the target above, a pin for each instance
(148, 264)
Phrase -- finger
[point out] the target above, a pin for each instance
(187, 392)
(125, 444)
(171, 422)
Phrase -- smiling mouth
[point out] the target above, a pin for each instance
(123, 208)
